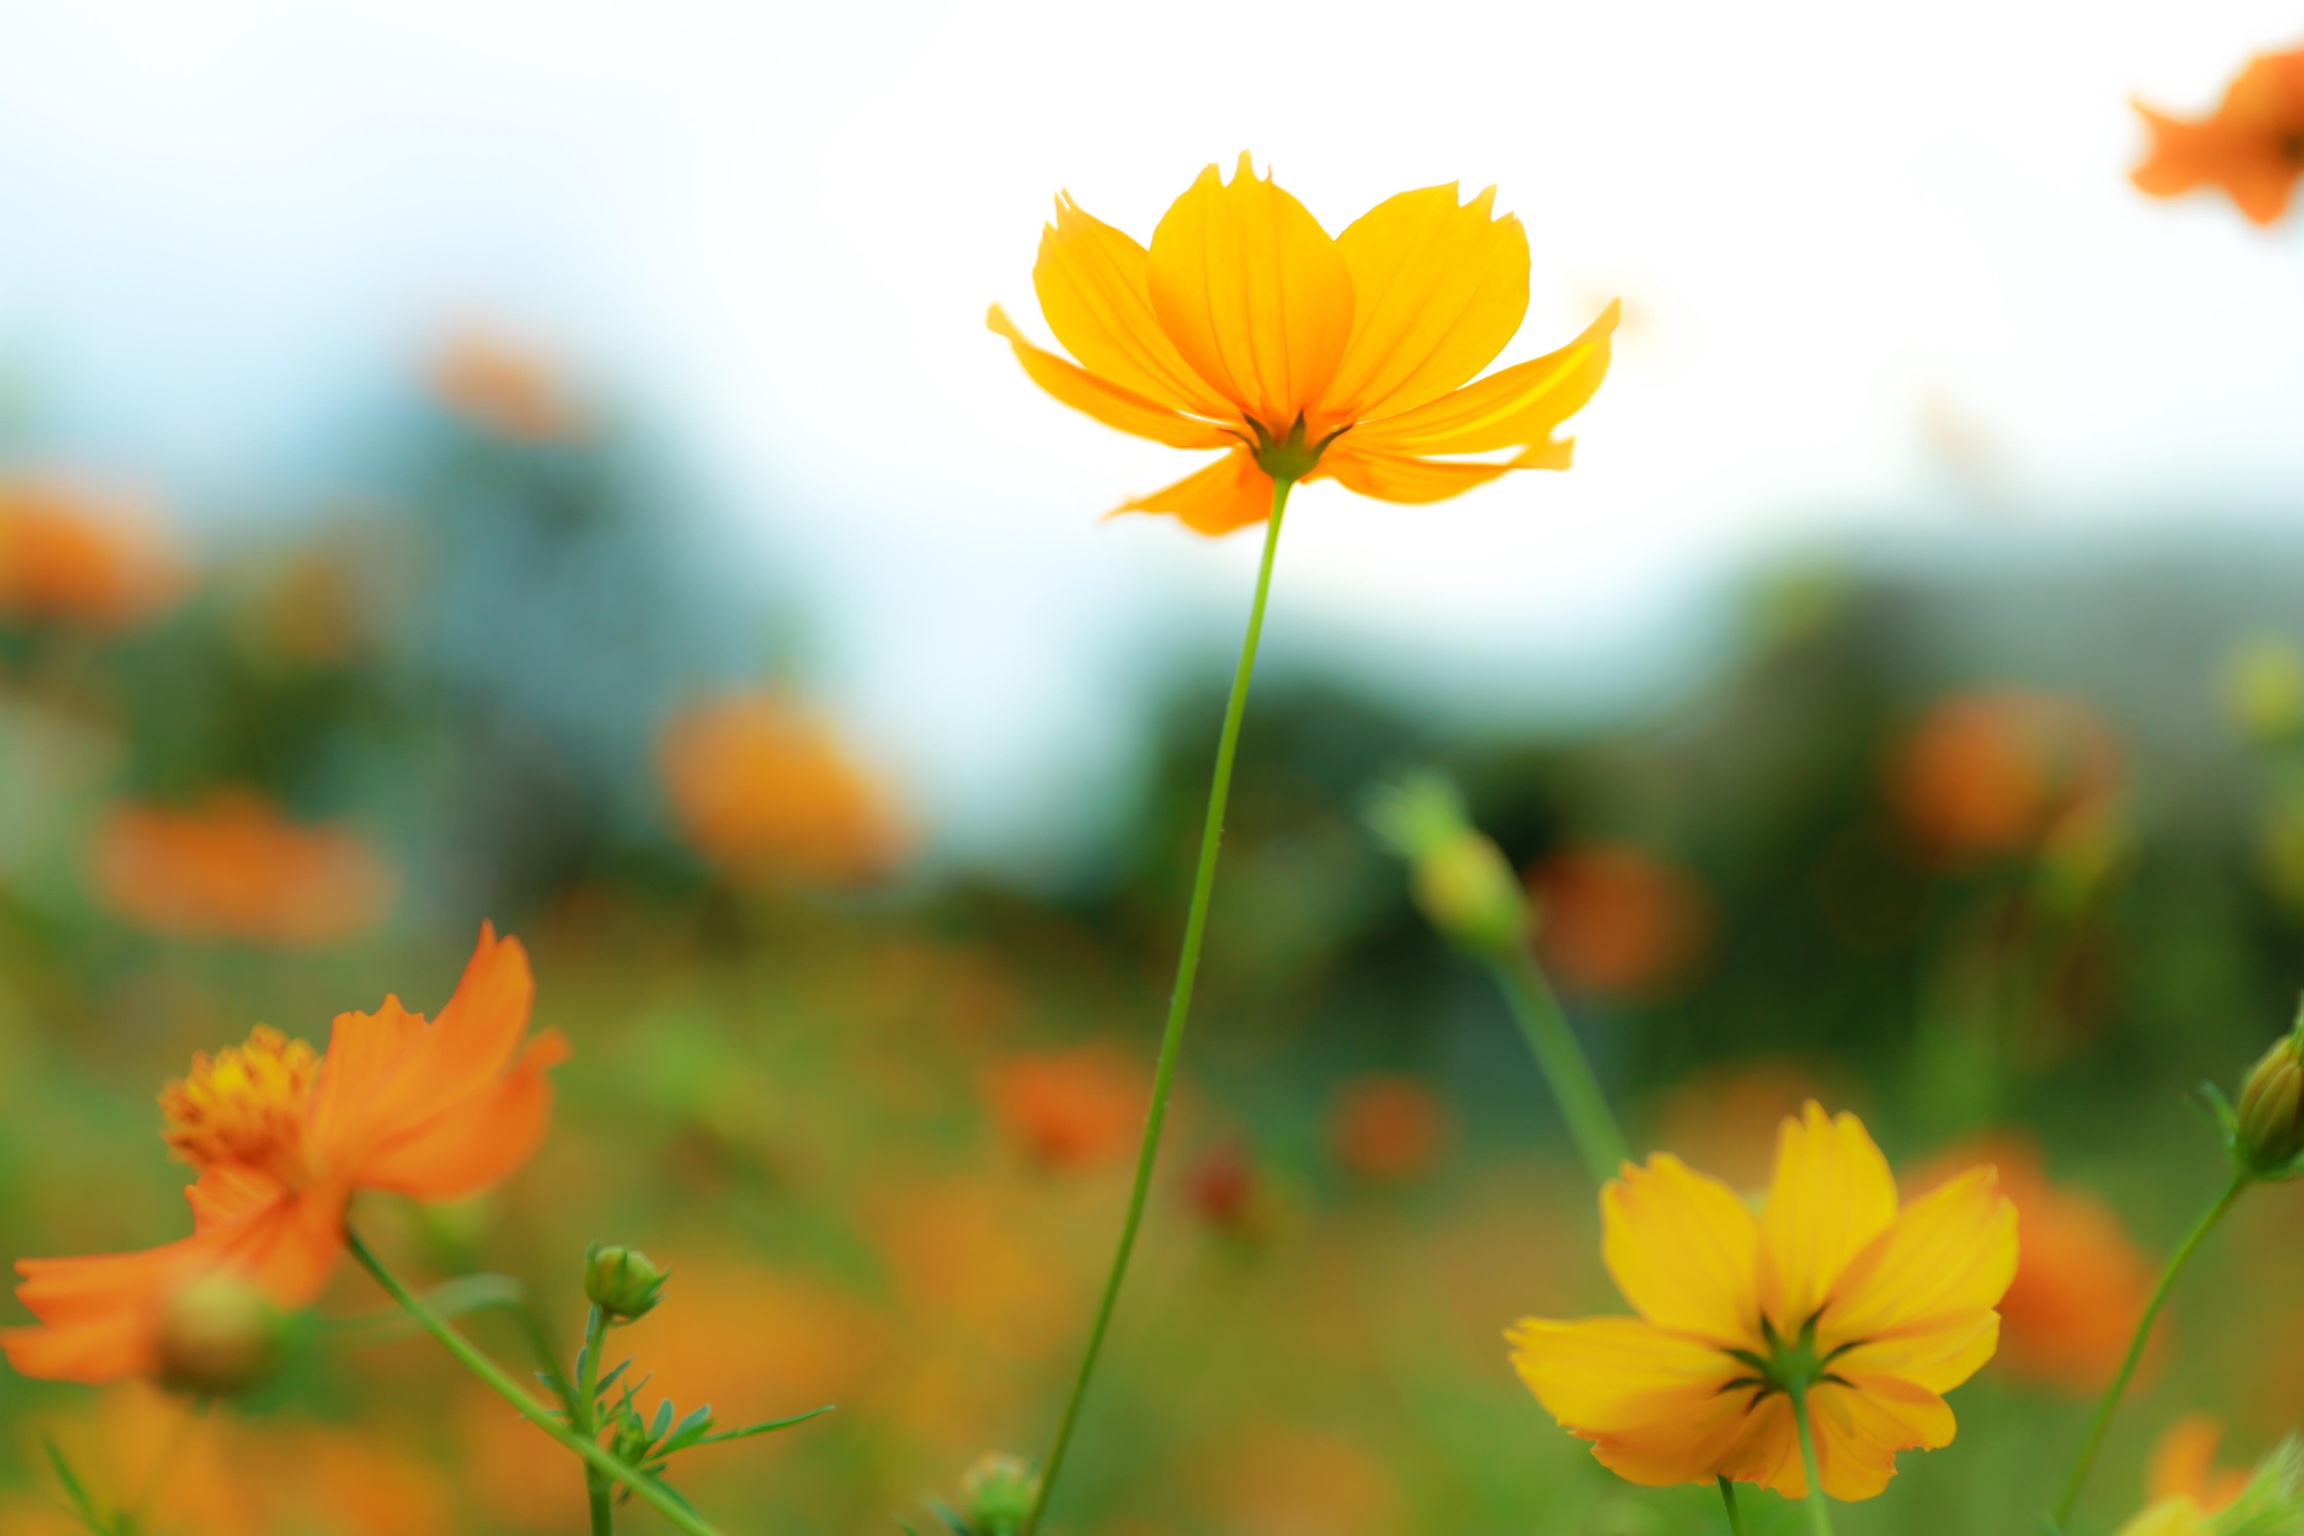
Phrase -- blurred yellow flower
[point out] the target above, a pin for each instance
(1831, 1291)
(761, 787)
(1245, 327)
(234, 868)
(2251, 147)
(70, 556)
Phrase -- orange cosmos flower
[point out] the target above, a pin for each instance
(1988, 775)
(761, 787)
(1389, 1128)
(1068, 1109)
(234, 869)
(67, 557)
(2183, 1466)
(506, 388)
(1870, 1311)
(283, 1138)
(1615, 919)
(1245, 327)
(2251, 147)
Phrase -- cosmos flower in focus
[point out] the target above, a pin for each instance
(70, 557)
(283, 1137)
(1873, 1311)
(1068, 1109)
(1615, 919)
(2251, 148)
(233, 868)
(1994, 774)
(760, 786)
(1246, 328)
(505, 387)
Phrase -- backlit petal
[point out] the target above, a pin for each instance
(1106, 401)
(1657, 1407)
(1683, 1249)
(1230, 493)
(476, 1140)
(1831, 1194)
(1511, 408)
(1399, 477)
(1093, 288)
(1437, 291)
(1942, 1264)
(1253, 292)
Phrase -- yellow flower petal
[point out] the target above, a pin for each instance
(1400, 478)
(1861, 1426)
(1938, 1359)
(1253, 292)
(1512, 407)
(1831, 1194)
(1094, 291)
(1437, 291)
(1943, 1264)
(1768, 1452)
(1107, 402)
(1652, 1403)
(1683, 1249)
(1230, 493)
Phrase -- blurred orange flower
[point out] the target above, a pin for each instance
(1613, 918)
(760, 786)
(283, 1138)
(1245, 327)
(1987, 775)
(235, 869)
(68, 556)
(1068, 1109)
(2251, 147)
(2183, 1466)
(1288, 1482)
(1388, 1127)
(505, 387)
(2081, 1281)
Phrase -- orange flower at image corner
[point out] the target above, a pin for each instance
(761, 786)
(2081, 1281)
(69, 555)
(2251, 148)
(282, 1138)
(1735, 1310)
(233, 868)
(1068, 1109)
(1244, 327)
(1991, 774)
(1615, 919)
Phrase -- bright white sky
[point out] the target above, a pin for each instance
(777, 227)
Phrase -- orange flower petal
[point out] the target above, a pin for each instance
(1106, 401)
(1514, 407)
(1831, 1194)
(477, 1141)
(1400, 478)
(1860, 1427)
(1230, 493)
(1683, 1249)
(1097, 297)
(1254, 294)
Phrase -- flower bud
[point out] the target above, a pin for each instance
(219, 1336)
(1459, 878)
(621, 1282)
(2264, 689)
(2271, 1131)
(997, 1493)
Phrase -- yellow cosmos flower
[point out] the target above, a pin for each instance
(1246, 327)
(1871, 1312)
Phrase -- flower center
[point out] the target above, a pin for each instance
(1790, 1366)
(1290, 455)
(244, 1105)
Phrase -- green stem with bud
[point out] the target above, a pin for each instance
(1819, 1503)
(598, 1491)
(594, 1456)
(2101, 1421)
(1590, 1121)
(1179, 1006)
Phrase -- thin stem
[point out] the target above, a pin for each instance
(598, 1492)
(1582, 1104)
(1179, 1005)
(1728, 1497)
(1819, 1504)
(2106, 1405)
(492, 1374)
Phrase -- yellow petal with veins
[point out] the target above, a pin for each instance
(1093, 289)
(1683, 1249)
(1253, 293)
(1107, 402)
(1511, 408)
(1943, 1263)
(1230, 493)
(1831, 1194)
(1437, 291)
(1655, 1405)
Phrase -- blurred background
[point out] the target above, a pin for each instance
(545, 464)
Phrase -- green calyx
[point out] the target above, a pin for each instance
(1292, 457)
(2264, 1131)
(1790, 1366)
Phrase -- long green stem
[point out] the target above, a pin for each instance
(494, 1377)
(1819, 1503)
(1582, 1104)
(598, 1491)
(2110, 1402)
(1728, 1497)
(1179, 1005)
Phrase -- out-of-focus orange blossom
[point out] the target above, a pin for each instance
(1068, 1109)
(2183, 1466)
(1615, 919)
(1991, 775)
(1388, 1128)
(763, 788)
(71, 555)
(753, 1340)
(505, 386)
(234, 868)
(2081, 1281)
(2251, 148)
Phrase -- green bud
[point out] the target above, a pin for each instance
(997, 1493)
(621, 1282)
(1459, 877)
(219, 1336)
(2271, 1130)
(2264, 688)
